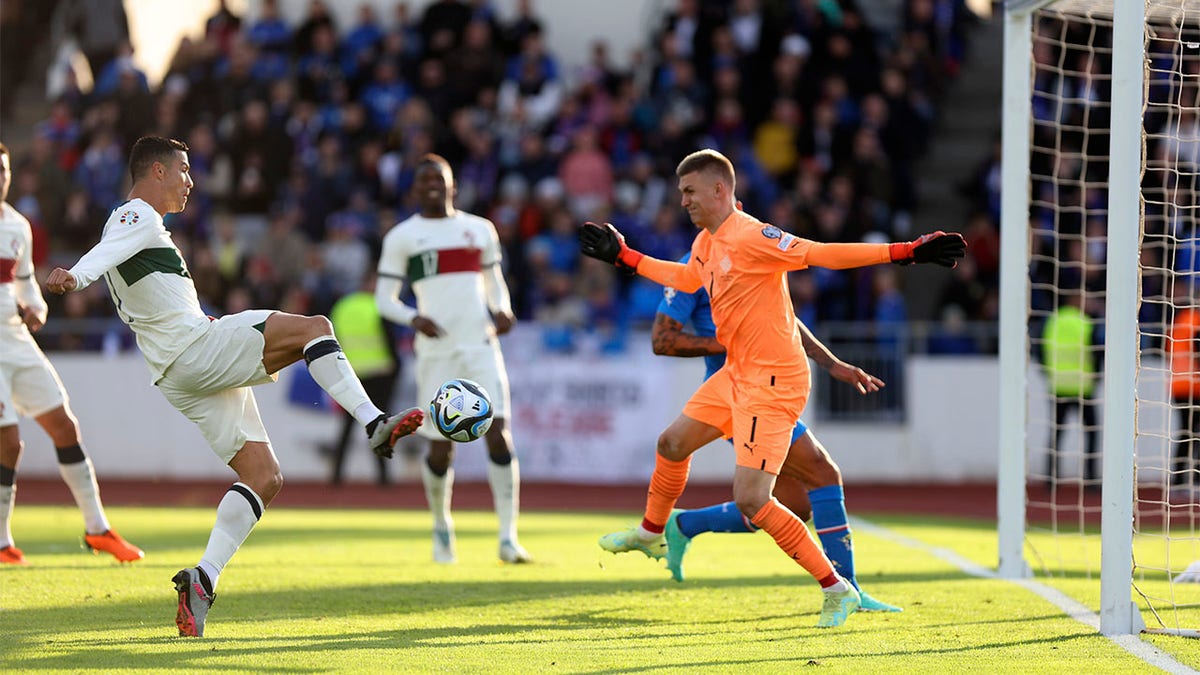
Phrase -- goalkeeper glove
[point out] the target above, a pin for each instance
(603, 242)
(939, 247)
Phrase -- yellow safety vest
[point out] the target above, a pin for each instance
(1067, 344)
(361, 333)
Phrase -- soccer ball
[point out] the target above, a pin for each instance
(461, 410)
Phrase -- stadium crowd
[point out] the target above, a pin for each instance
(304, 137)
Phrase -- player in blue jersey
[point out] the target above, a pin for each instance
(808, 464)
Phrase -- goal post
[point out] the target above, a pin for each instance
(1121, 244)
(1014, 288)
(1118, 614)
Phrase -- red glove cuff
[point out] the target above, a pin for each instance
(629, 257)
(901, 250)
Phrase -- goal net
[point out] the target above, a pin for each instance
(1102, 191)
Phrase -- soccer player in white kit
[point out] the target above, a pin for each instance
(206, 366)
(30, 386)
(452, 261)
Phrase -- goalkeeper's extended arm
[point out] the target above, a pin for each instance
(939, 248)
(604, 242)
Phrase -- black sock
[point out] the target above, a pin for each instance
(205, 582)
(374, 424)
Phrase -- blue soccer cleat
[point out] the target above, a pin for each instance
(870, 604)
(677, 545)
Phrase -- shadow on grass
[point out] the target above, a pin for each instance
(422, 647)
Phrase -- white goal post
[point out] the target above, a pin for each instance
(1119, 615)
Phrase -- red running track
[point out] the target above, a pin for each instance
(967, 500)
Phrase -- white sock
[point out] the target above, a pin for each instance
(438, 492)
(237, 514)
(840, 587)
(505, 481)
(8, 497)
(81, 479)
(647, 535)
(333, 373)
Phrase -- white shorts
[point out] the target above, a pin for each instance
(484, 364)
(29, 385)
(210, 382)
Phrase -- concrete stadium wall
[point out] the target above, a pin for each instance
(579, 419)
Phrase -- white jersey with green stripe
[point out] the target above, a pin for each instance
(149, 282)
(442, 259)
(17, 284)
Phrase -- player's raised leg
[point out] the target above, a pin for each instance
(675, 447)
(808, 463)
(80, 476)
(290, 337)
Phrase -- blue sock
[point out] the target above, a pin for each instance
(829, 520)
(720, 518)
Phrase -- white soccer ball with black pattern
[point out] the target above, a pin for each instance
(461, 410)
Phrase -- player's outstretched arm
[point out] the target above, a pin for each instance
(668, 338)
(60, 281)
(605, 243)
(851, 374)
(939, 248)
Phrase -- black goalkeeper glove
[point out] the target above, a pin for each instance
(939, 248)
(604, 242)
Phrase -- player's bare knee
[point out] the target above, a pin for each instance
(750, 502)
(825, 474)
(320, 325)
(672, 447)
(268, 486)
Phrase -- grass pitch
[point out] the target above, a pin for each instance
(355, 591)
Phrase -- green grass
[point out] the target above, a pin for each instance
(326, 591)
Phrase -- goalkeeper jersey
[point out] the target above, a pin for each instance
(693, 308)
(443, 260)
(743, 267)
(149, 283)
(16, 268)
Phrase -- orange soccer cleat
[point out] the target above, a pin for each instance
(111, 542)
(11, 555)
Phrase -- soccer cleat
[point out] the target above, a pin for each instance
(11, 555)
(838, 607)
(111, 542)
(677, 545)
(195, 599)
(870, 604)
(512, 552)
(443, 546)
(628, 540)
(387, 430)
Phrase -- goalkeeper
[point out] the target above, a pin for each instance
(759, 394)
(808, 464)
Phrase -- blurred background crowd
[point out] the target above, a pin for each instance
(304, 134)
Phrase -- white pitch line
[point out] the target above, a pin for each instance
(1130, 643)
